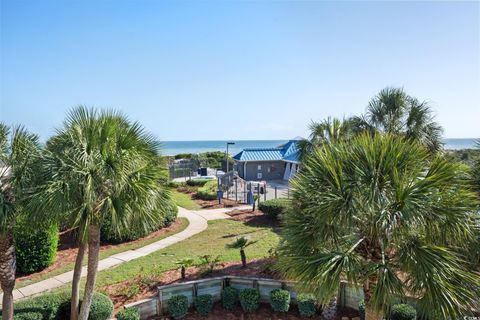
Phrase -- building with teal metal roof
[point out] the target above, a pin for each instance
(257, 164)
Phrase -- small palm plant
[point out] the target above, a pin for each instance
(183, 264)
(241, 243)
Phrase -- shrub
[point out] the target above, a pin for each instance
(36, 249)
(128, 314)
(306, 305)
(273, 208)
(204, 304)
(229, 298)
(361, 309)
(197, 182)
(57, 307)
(280, 300)
(403, 312)
(249, 299)
(178, 306)
(208, 191)
(110, 235)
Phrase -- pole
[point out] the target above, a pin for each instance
(265, 191)
(236, 191)
(275, 192)
(227, 156)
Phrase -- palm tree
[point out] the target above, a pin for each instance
(184, 263)
(19, 152)
(392, 110)
(100, 164)
(379, 211)
(330, 130)
(241, 243)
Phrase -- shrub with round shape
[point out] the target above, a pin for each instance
(274, 208)
(101, 308)
(306, 305)
(280, 300)
(204, 304)
(128, 314)
(178, 307)
(403, 312)
(35, 249)
(229, 298)
(249, 299)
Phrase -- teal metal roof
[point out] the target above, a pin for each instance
(286, 152)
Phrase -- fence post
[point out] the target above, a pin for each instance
(265, 191)
(258, 194)
(236, 191)
(275, 192)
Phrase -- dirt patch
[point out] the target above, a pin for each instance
(263, 313)
(67, 250)
(145, 286)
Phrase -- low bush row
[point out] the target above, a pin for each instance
(274, 208)
(208, 191)
(57, 307)
(249, 300)
(198, 182)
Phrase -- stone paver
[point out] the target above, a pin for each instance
(197, 223)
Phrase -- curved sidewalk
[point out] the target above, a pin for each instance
(197, 224)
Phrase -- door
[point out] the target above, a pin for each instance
(259, 175)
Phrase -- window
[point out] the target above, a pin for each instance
(259, 167)
(259, 175)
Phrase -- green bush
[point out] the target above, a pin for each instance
(110, 235)
(306, 305)
(273, 208)
(128, 314)
(280, 300)
(57, 307)
(197, 182)
(178, 307)
(208, 191)
(229, 298)
(403, 312)
(249, 299)
(204, 304)
(361, 309)
(36, 249)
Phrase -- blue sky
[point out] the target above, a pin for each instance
(236, 69)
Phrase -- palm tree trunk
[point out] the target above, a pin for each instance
(370, 313)
(93, 250)
(77, 274)
(7, 272)
(182, 271)
(243, 257)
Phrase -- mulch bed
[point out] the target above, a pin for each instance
(263, 313)
(67, 248)
(254, 218)
(213, 204)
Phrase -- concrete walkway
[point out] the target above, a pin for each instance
(197, 223)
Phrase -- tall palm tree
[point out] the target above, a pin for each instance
(19, 152)
(379, 211)
(392, 110)
(330, 130)
(100, 164)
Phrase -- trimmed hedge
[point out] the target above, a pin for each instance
(109, 234)
(249, 299)
(35, 249)
(208, 191)
(128, 314)
(280, 300)
(198, 182)
(57, 307)
(229, 298)
(306, 305)
(204, 304)
(403, 312)
(178, 306)
(273, 208)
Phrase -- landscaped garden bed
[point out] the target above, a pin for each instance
(195, 197)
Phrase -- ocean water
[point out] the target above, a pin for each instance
(176, 147)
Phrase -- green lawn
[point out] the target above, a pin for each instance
(184, 200)
(209, 242)
(104, 254)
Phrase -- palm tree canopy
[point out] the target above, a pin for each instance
(19, 155)
(379, 208)
(240, 243)
(392, 110)
(102, 164)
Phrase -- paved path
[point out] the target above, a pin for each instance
(197, 223)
